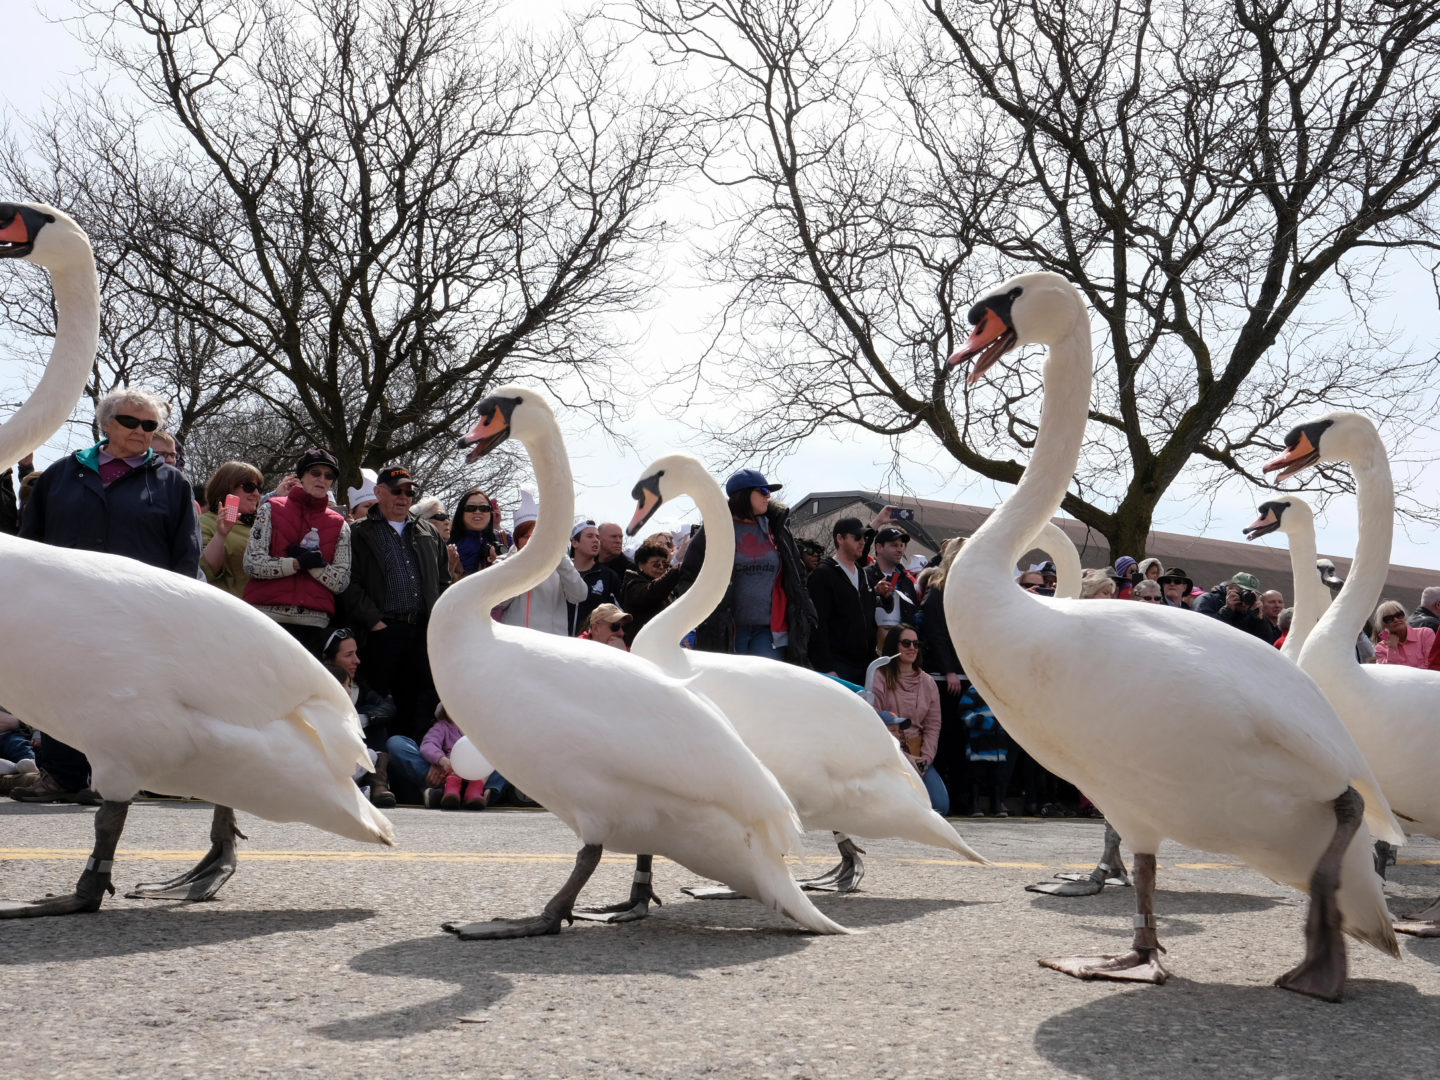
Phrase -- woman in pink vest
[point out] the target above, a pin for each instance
(298, 557)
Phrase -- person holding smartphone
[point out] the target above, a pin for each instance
(232, 496)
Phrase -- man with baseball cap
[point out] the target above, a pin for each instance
(888, 566)
(398, 569)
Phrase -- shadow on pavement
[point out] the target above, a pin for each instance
(856, 912)
(660, 945)
(1121, 901)
(1427, 949)
(1185, 1029)
(154, 928)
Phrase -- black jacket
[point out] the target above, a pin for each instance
(937, 650)
(604, 585)
(717, 633)
(363, 602)
(846, 628)
(148, 514)
(1424, 617)
(643, 598)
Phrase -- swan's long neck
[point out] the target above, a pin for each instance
(1308, 604)
(661, 635)
(77, 332)
(988, 557)
(537, 560)
(1375, 501)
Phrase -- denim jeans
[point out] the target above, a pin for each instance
(939, 797)
(15, 746)
(756, 641)
(407, 770)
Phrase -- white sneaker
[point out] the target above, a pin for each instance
(8, 767)
(26, 765)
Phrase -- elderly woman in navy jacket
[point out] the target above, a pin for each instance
(119, 497)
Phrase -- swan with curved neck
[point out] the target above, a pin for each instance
(824, 744)
(283, 747)
(1292, 516)
(625, 755)
(1273, 779)
(1392, 710)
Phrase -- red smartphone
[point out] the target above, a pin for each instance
(232, 508)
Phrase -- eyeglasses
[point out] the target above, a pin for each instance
(248, 486)
(909, 643)
(1393, 616)
(616, 627)
(321, 471)
(343, 634)
(1151, 599)
(402, 492)
(473, 509)
(132, 422)
(439, 517)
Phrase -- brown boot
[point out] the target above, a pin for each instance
(43, 788)
(380, 793)
(11, 781)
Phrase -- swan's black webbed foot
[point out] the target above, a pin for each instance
(94, 881)
(203, 880)
(1422, 924)
(1138, 965)
(631, 910)
(557, 911)
(845, 876)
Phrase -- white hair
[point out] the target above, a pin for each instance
(1430, 597)
(128, 396)
(428, 507)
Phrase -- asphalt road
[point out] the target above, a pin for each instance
(324, 958)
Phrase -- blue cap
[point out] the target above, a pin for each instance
(749, 478)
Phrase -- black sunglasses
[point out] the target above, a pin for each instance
(248, 486)
(472, 509)
(408, 492)
(439, 517)
(906, 643)
(132, 422)
(616, 627)
(320, 470)
(1393, 616)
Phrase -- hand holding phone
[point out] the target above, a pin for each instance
(232, 508)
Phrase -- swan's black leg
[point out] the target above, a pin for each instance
(632, 910)
(203, 880)
(557, 911)
(1142, 962)
(846, 876)
(94, 881)
(1322, 973)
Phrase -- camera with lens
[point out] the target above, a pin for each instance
(1247, 596)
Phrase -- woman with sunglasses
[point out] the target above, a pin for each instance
(903, 688)
(1398, 641)
(474, 539)
(119, 497)
(341, 656)
(225, 533)
(298, 555)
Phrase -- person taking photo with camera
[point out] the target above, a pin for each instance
(1237, 603)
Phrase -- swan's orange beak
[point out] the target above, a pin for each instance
(14, 231)
(989, 341)
(1265, 523)
(18, 226)
(490, 432)
(647, 506)
(1296, 458)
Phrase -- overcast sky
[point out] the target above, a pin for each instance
(46, 59)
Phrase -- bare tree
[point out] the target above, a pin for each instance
(1215, 177)
(368, 212)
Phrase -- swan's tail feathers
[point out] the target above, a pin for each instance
(776, 889)
(1379, 818)
(338, 806)
(942, 834)
(1362, 901)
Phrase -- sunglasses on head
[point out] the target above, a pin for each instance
(132, 422)
(342, 634)
(475, 509)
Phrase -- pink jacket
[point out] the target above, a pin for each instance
(1415, 650)
(916, 697)
(439, 741)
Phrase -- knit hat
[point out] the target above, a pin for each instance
(1123, 565)
(526, 511)
(316, 456)
(365, 493)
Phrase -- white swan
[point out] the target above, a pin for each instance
(1271, 777)
(1392, 710)
(1292, 516)
(250, 721)
(626, 756)
(824, 744)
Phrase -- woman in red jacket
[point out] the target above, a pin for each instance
(298, 557)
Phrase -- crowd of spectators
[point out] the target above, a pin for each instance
(355, 583)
